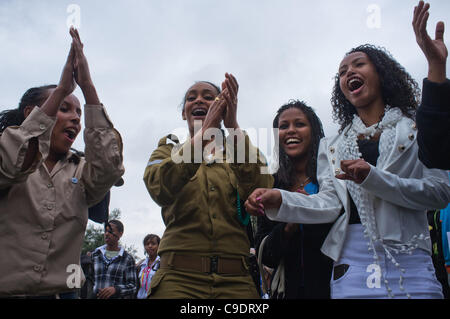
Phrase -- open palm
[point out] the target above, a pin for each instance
(435, 50)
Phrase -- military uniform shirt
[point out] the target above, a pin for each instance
(199, 200)
(43, 215)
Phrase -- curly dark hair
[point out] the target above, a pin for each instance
(398, 88)
(285, 177)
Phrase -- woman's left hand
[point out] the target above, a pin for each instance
(231, 86)
(354, 170)
(81, 70)
(81, 67)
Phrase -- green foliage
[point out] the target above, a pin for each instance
(94, 236)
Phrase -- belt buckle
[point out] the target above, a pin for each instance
(214, 264)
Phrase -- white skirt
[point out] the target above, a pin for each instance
(365, 279)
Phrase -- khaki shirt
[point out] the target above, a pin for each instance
(43, 215)
(198, 200)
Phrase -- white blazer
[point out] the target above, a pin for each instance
(403, 189)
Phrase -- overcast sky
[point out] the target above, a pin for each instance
(144, 54)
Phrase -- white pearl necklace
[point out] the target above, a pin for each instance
(363, 200)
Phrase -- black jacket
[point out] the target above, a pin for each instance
(433, 124)
(307, 270)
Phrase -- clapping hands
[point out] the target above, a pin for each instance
(230, 89)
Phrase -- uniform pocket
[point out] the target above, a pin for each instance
(74, 206)
(73, 189)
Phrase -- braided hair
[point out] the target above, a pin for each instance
(285, 177)
(33, 97)
(398, 88)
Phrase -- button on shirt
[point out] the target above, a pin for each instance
(43, 215)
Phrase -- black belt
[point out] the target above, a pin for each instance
(205, 264)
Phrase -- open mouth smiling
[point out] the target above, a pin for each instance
(71, 133)
(199, 112)
(292, 141)
(354, 84)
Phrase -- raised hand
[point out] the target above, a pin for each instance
(212, 120)
(64, 88)
(81, 69)
(435, 50)
(231, 87)
(215, 113)
(67, 83)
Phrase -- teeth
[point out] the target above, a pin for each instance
(292, 140)
(354, 84)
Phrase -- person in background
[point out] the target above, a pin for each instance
(45, 189)
(433, 136)
(114, 268)
(438, 248)
(445, 230)
(147, 268)
(307, 271)
(433, 115)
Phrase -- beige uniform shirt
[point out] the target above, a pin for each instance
(43, 215)
(199, 201)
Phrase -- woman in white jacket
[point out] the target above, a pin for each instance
(372, 185)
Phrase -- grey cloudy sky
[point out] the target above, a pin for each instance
(143, 56)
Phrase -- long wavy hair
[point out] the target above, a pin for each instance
(398, 88)
(35, 96)
(285, 175)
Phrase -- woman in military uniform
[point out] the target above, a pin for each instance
(201, 185)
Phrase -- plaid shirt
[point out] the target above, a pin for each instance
(118, 272)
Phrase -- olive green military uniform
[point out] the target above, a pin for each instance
(199, 209)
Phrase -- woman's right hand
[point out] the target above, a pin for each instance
(64, 88)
